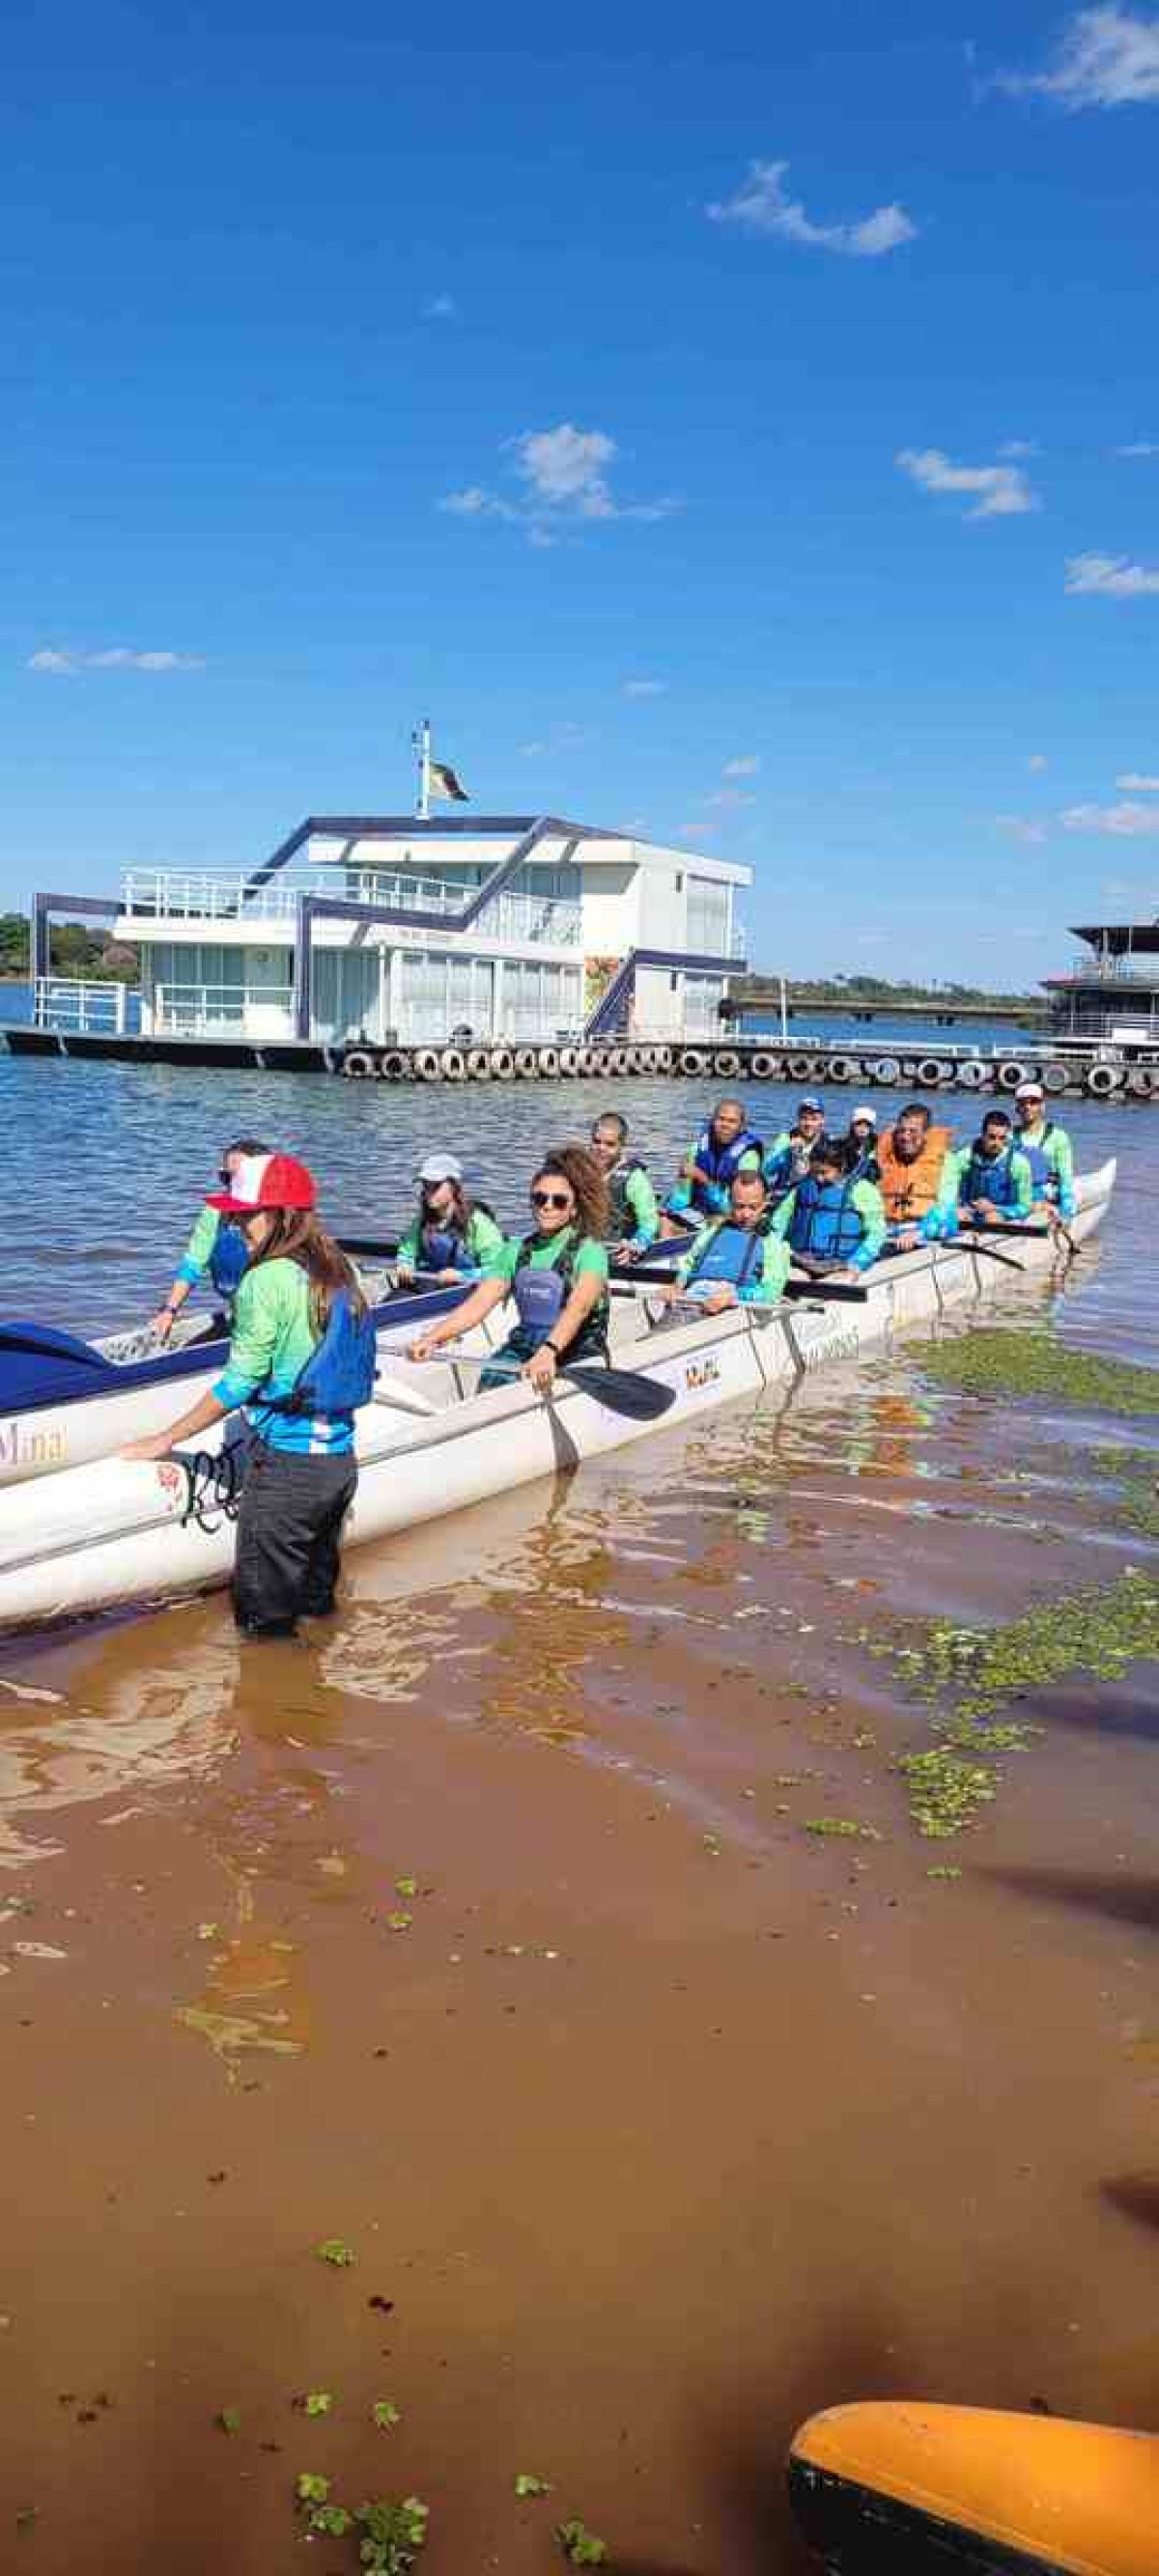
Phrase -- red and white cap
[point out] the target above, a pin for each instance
(266, 1181)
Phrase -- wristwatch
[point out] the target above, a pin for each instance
(547, 1344)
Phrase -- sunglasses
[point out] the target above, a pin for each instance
(551, 1198)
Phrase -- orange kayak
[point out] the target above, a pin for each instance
(906, 2489)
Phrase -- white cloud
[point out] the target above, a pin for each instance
(441, 308)
(744, 768)
(1133, 784)
(566, 478)
(1000, 491)
(761, 205)
(116, 657)
(1109, 577)
(1038, 762)
(1139, 447)
(1105, 58)
(644, 688)
(1019, 447)
(730, 798)
(1018, 827)
(1120, 822)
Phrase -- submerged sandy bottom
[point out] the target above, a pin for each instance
(662, 2121)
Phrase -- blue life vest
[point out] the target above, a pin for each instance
(994, 1181)
(825, 1220)
(339, 1374)
(723, 1162)
(1042, 1171)
(229, 1259)
(732, 1255)
(540, 1296)
(624, 1223)
(448, 1247)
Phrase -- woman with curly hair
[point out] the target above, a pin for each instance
(556, 1277)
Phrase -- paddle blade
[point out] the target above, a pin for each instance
(626, 1391)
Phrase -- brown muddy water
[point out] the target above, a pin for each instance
(651, 2118)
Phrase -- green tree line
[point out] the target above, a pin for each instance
(866, 988)
(74, 950)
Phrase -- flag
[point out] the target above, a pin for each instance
(444, 782)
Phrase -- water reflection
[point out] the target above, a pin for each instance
(121, 1727)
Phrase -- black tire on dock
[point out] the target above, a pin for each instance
(692, 1060)
(1102, 1080)
(359, 1065)
(726, 1064)
(762, 1067)
(1010, 1074)
(1139, 1084)
(479, 1064)
(799, 1067)
(569, 1061)
(502, 1064)
(526, 1063)
(393, 1065)
(973, 1076)
(453, 1064)
(1054, 1078)
(665, 1059)
(885, 1069)
(932, 1069)
(549, 1061)
(843, 1068)
(427, 1067)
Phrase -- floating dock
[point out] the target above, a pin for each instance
(1077, 1072)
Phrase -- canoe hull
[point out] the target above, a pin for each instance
(121, 1532)
(48, 1439)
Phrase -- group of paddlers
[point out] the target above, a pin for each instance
(742, 1218)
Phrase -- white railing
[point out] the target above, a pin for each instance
(206, 1010)
(1116, 970)
(72, 1007)
(173, 894)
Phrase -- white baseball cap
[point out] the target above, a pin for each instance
(1030, 1091)
(864, 1109)
(439, 1167)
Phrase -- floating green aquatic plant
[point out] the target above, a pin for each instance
(333, 2249)
(842, 1828)
(526, 2484)
(393, 2535)
(385, 2415)
(581, 2547)
(1099, 1631)
(1005, 1362)
(945, 1792)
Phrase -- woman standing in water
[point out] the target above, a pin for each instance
(301, 1361)
(557, 1277)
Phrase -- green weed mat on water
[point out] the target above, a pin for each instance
(1007, 1362)
(1100, 1630)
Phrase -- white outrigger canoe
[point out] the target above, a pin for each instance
(65, 1402)
(93, 1538)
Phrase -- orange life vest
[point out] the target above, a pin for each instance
(910, 1189)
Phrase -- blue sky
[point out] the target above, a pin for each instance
(698, 417)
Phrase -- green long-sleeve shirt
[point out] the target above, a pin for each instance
(1010, 1175)
(482, 1241)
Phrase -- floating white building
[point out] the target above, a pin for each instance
(392, 929)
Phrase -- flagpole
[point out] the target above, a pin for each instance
(422, 741)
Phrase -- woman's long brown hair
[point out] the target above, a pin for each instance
(574, 1164)
(458, 1215)
(297, 1235)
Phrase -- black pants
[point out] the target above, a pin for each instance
(289, 1523)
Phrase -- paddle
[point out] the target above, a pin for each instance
(978, 1243)
(626, 1391)
(368, 1247)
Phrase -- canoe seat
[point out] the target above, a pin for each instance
(909, 2487)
